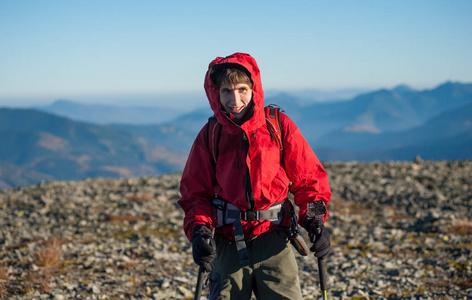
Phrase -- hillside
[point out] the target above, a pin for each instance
(398, 231)
(41, 145)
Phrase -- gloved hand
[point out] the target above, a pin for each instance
(319, 236)
(203, 247)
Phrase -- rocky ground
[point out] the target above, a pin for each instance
(400, 230)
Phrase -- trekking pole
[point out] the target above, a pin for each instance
(316, 210)
(322, 273)
(201, 272)
(198, 288)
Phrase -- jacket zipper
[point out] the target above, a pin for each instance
(249, 194)
(247, 178)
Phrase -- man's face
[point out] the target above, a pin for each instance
(235, 98)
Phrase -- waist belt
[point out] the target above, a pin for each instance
(227, 213)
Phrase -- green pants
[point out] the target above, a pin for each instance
(272, 272)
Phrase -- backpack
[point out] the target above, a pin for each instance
(274, 125)
(272, 113)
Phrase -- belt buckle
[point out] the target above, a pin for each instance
(250, 215)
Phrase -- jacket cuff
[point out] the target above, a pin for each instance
(200, 229)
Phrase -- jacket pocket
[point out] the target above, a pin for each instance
(277, 187)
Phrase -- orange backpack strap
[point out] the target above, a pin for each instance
(274, 125)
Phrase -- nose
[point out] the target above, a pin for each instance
(235, 97)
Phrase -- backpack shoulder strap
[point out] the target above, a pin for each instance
(274, 125)
(213, 138)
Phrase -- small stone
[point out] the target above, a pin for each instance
(96, 289)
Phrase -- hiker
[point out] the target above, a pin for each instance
(234, 189)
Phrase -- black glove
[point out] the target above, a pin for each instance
(203, 247)
(319, 236)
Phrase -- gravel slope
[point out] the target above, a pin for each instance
(400, 230)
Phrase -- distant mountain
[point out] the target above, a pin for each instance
(178, 134)
(403, 88)
(371, 126)
(41, 145)
(147, 115)
(174, 137)
(107, 114)
(395, 124)
(313, 95)
(368, 122)
(380, 111)
(447, 136)
(443, 127)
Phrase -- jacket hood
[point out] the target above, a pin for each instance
(248, 64)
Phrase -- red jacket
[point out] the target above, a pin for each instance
(248, 170)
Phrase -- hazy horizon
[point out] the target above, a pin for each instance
(192, 100)
(80, 49)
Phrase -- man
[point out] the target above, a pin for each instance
(235, 183)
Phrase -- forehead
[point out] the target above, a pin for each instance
(234, 85)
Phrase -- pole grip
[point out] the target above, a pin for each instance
(322, 271)
(321, 264)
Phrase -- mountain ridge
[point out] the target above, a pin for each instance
(396, 124)
(64, 149)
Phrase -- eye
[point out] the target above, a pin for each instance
(225, 90)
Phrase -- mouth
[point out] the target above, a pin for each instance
(237, 110)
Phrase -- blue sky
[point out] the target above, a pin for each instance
(71, 49)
